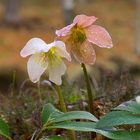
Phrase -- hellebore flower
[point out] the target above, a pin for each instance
(81, 35)
(45, 56)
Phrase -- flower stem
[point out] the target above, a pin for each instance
(61, 99)
(89, 91)
(64, 109)
(90, 95)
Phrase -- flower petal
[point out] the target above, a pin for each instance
(99, 36)
(56, 71)
(85, 53)
(36, 69)
(34, 45)
(84, 21)
(64, 31)
(61, 50)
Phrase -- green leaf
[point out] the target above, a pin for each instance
(133, 108)
(75, 115)
(49, 113)
(91, 127)
(78, 126)
(121, 134)
(53, 138)
(4, 129)
(116, 118)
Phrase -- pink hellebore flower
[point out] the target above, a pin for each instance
(81, 34)
(45, 56)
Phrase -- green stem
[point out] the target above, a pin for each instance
(90, 95)
(89, 91)
(64, 109)
(61, 99)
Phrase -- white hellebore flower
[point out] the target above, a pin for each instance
(45, 56)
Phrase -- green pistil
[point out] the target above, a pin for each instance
(77, 35)
(52, 58)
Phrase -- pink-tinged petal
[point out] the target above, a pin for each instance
(99, 36)
(84, 21)
(85, 53)
(56, 71)
(34, 45)
(64, 31)
(61, 50)
(35, 68)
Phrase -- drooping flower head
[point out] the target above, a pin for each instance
(45, 56)
(81, 35)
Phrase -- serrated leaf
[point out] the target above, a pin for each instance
(91, 127)
(116, 118)
(4, 129)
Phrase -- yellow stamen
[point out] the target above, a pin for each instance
(49, 56)
(78, 35)
(40, 58)
(52, 58)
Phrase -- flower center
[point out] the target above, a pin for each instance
(49, 56)
(40, 58)
(78, 35)
(52, 57)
